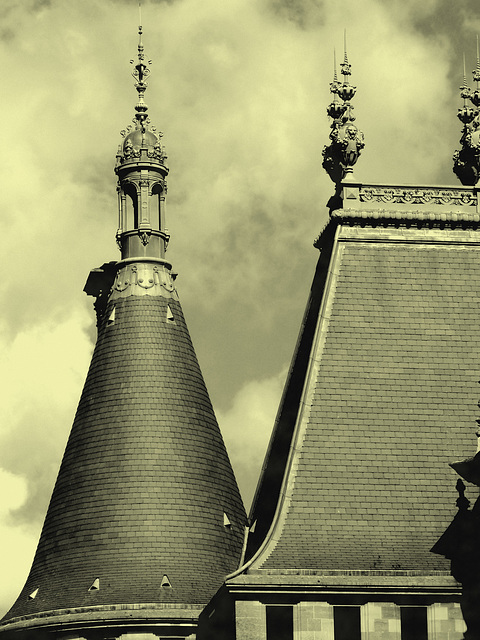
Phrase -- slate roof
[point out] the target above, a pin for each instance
(145, 479)
(381, 396)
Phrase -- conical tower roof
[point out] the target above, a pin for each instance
(146, 518)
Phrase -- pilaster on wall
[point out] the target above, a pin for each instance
(251, 620)
(445, 621)
(313, 621)
(380, 620)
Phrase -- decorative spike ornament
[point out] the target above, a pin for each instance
(466, 161)
(346, 140)
(335, 109)
(475, 95)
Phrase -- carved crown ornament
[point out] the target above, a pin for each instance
(466, 161)
(346, 140)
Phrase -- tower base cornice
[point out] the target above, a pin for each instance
(107, 621)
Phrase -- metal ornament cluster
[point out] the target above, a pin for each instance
(466, 161)
(346, 140)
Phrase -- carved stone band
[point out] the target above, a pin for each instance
(144, 279)
(415, 195)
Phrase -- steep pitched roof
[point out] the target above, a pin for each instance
(137, 513)
(382, 392)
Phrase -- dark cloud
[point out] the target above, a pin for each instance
(38, 5)
(7, 35)
(306, 14)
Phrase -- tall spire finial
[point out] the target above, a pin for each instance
(346, 140)
(346, 68)
(476, 71)
(335, 109)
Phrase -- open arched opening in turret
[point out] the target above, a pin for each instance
(131, 207)
(156, 211)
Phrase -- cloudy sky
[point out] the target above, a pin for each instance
(239, 88)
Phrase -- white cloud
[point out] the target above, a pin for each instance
(18, 544)
(41, 373)
(246, 428)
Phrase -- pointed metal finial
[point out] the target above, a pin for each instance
(141, 73)
(464, 89)
(335, 109)
(476, 72)
(346, 68)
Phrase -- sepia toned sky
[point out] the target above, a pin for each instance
(239, 88)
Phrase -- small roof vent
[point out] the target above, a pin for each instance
(95, 585)
(33, 595)
(166, 582)
(111, 318)
(226, 521)
(170, 317)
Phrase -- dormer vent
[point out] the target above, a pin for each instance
(95, 585)
(33, 595)
(226, 521)
(111, 318)
(166, 582)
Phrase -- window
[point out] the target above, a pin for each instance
(346, 623)
(279, 622)
(414, 623)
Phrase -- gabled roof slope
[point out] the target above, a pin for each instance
(359, 457)
(137, 513)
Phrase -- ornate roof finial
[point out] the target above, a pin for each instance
(346, 140)
(466, 161)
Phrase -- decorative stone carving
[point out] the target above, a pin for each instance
(145, 236)
(415, 195)
(144, 278)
